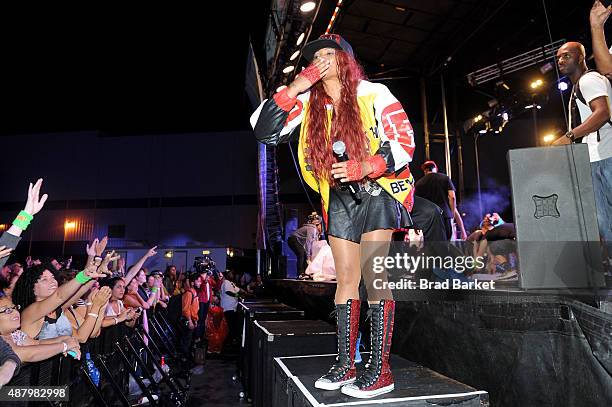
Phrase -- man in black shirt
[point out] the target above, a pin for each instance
(439, 189)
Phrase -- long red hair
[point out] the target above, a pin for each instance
(346, 120)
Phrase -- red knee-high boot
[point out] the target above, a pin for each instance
(343, 370)
(377, 378)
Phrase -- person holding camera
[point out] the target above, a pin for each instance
(204, 296)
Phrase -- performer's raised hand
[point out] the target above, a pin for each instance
(309, 76)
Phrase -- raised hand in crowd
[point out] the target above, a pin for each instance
(100, 299)
(91, 250)
(138, 266)
(35, 202)
(33, 205)
(110, 257)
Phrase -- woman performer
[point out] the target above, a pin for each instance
(331, 102)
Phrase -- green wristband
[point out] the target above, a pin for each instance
(153, 289)
(82, 278)
(23, 219)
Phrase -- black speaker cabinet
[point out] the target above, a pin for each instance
(555, 217)
(273, 339)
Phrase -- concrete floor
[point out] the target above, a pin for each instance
(215, 387)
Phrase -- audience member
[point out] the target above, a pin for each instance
(229, 301)
(190, 310)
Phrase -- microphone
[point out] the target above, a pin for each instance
(340, 152)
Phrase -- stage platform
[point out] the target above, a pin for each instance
(525, 348)
(415, 385)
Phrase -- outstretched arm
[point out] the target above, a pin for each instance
(598, 17)
(33, 205)
(136, 267)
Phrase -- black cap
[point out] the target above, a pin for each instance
(326, 41)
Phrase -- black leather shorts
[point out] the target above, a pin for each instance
(348, 219)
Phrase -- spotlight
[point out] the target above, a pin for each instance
(168, 254)
(562, 86)
(69, 225)
(294, 55)
(536, 84)
(205, 252)
(548, 138)
(300, 38)
(478, 118)
(307, 6)
(288, 69)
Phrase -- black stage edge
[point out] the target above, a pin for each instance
(523, 348)
(415, 385)
(285, 338)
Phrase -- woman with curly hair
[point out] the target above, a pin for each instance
(334, 111)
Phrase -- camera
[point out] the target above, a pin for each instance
(204, 264)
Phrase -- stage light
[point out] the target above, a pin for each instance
(294, 55)
(562, 86)
(168, 254)
(205, 252)
(477, 118)
(307, 6)
(69, 225)
(3, 226)
(502, 84)
(536, 84)
(548, 138)
(300, 38)
(288, 69)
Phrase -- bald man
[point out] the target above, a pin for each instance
(589, 122)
